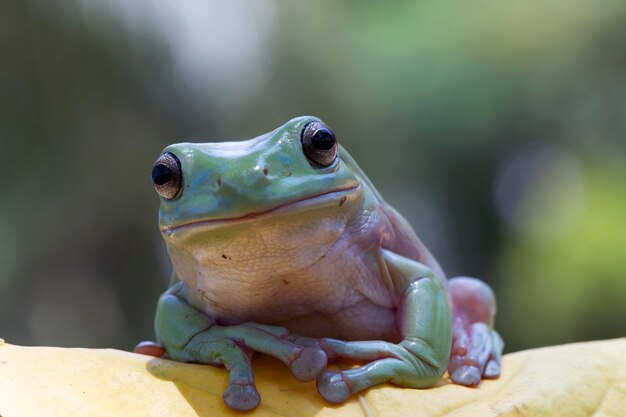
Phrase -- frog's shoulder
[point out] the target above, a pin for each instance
(403, 240)
(397, 234)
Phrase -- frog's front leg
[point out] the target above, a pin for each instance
(476, 347)
(189, 335)
(420, 359)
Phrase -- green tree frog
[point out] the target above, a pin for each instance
(281, 245)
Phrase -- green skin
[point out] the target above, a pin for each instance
(273, 254)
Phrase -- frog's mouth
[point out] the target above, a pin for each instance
(340, 194)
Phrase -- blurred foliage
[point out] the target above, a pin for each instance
(570, 285)
(496, 128)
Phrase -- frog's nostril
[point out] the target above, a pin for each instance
(257, 171)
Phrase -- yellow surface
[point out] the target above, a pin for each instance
(581, 379)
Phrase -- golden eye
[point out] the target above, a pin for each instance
(167, 177)
(319, 144)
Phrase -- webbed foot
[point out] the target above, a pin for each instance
(417, 362)
(189, 335)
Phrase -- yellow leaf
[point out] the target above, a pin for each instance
(569, 380)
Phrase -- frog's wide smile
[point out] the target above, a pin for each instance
(312, 200)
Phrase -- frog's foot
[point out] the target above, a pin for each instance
(417, 362)
(191, 336)
(241, 393)
(306, 362)
(476, 348)
(232, 347)
(305, 358)
(476, 354)
(387, 362)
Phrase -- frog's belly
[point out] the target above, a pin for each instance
(343, 314)
(322, 300)
(363, 321)
(329, 303)
(319, 278)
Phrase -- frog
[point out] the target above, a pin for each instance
(281, 245)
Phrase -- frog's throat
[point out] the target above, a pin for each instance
(328, 195)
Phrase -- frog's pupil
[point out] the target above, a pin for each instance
(161, 174)
(323, 140)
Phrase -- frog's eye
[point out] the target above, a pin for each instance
(167, 176)
(319, 144)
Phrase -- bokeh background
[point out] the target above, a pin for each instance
(497, 128)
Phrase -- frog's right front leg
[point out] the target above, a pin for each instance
(420, 359)
(189, 335)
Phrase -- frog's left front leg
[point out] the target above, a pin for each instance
(420, 359)
(189, 335)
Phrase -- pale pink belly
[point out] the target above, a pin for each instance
(363, 321)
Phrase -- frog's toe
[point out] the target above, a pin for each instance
(242, 397)
(309, 363)
(492, 370)
(467, 375)
(149, 348)
(333, 388)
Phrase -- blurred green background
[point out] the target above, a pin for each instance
(497, 128)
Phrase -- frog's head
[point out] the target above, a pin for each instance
(295, 171)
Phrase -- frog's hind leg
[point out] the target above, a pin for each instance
(476, 348)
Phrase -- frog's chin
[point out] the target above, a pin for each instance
(340, 195)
